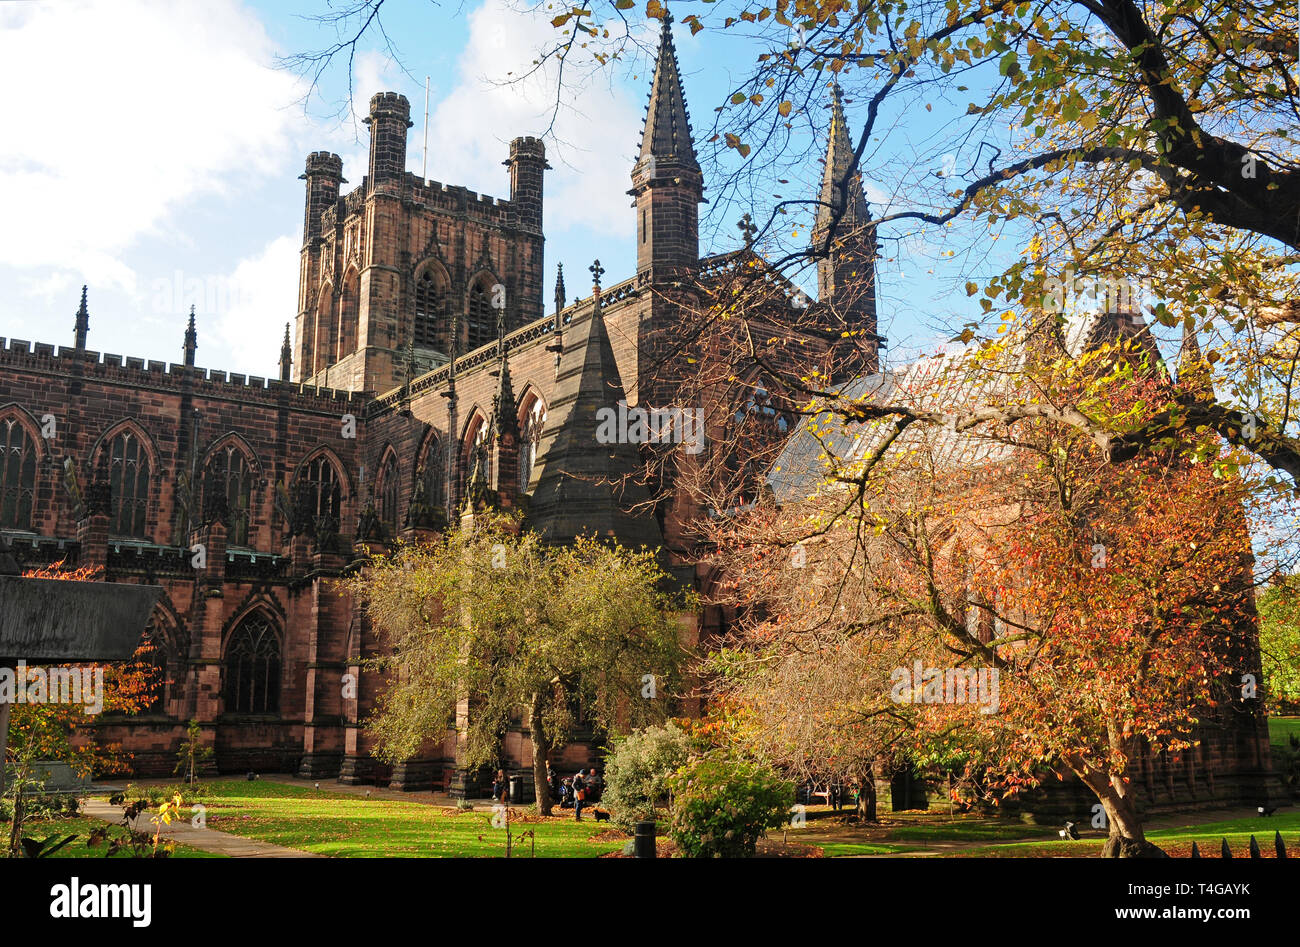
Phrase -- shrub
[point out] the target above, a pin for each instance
(637, 772)
(722, 807)
(157, 795)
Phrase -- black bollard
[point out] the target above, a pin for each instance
(1196, 852)
(644, 840)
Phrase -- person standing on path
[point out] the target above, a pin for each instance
(579, 794)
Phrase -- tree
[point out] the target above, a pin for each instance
(493, 616)
(637, 770)
(1279, 642)
(50, 730)
(999, 595)
(192, 754)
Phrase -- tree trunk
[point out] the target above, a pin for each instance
(541, 751)
(867, 799)
(1126, 838)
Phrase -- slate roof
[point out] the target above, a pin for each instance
(823, 444)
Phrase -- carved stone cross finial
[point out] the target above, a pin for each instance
(747, 229)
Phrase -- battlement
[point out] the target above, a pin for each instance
(324, 162)
(137, 372)
(392, 104)
(446, 198)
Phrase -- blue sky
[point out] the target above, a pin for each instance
(155, 148)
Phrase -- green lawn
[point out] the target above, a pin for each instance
(82, 827)
(1208, 837)
(341, 824)
(1280, 728)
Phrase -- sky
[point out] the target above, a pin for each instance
(154, 152)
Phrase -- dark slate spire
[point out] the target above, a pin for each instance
(667, 131)
(839, 155)
(286, 355)
(559, 288)
(191, 340)
(83, 322)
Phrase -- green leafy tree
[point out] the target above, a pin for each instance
(495, 616)
(722, 807)
(637, 771)
(1279, 644)
(192, 754)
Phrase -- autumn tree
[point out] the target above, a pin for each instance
(1111, 604)
(495, 617)
(51, 730)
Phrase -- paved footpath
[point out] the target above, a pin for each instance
(209, 840)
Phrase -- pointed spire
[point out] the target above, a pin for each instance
(667, 130)
(191, 340)
(83, 322)
(559, 290)
(286, 355)
(839, 156)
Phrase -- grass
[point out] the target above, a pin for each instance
(841, 849)
(345, 825)
(1176, 841)
(1281, 728)
(82, 827)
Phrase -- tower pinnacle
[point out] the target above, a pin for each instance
(191, 340)
(666, 179)
(286, 355)
(842, 198)
(667, 131)
(83, 322)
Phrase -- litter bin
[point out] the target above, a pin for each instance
(644, 840)
(521, 791)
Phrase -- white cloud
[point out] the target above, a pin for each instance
(262, 288)
(119, 112)
(471, 127)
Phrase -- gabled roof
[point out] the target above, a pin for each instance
(824, 445)
(577, 490)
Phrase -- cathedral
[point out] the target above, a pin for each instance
(423, 377)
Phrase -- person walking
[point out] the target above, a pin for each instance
(579, 794)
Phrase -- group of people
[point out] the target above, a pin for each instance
(576, 791)
(573, 792)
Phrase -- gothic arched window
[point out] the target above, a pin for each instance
(530, 435)
(229, 474)
(389, 484)
(430, 329)
(319, 481)
(17, 474)
(128, 479)
(252, 668)
(481, 316)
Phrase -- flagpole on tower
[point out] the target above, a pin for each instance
(424, 174)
